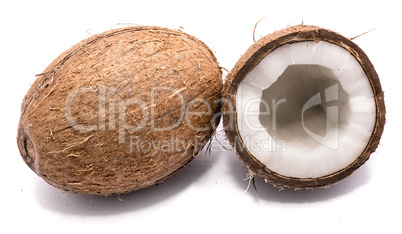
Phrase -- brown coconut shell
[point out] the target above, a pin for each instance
(252, 57)
(132, 128)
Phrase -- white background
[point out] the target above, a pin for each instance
(208, 195)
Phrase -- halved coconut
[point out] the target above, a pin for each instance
(303, 107)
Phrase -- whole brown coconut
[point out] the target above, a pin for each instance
(303, 107)
(121, 111)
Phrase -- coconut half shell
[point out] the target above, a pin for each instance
(251, 58)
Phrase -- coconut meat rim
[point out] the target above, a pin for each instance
(306, 110)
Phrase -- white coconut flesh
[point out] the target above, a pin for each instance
(306, 110)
